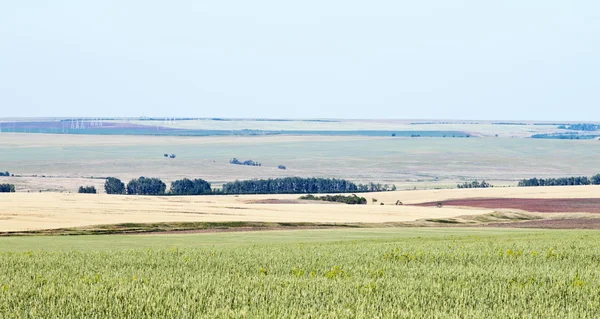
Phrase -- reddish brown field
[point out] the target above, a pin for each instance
(540, 205)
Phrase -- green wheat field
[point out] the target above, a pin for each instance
(348, 273)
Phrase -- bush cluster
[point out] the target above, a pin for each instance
(4, 173)
(7, 188)
(247, 162)
(475, 184)
(351, 200)
(87, 190)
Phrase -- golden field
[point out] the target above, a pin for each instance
(34, 211)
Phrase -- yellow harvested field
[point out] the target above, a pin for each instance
(34, 211)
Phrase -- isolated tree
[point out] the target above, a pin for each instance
(114, 186)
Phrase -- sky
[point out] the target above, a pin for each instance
(377, 59)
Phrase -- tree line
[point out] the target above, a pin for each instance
(7, 188)
(4, 173)
(563, 181)
(300, 185)
(581, 127)
(154, 186)
(475, 184)
(287, 185)
(351, 200)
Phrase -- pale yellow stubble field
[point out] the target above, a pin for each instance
(33, 211)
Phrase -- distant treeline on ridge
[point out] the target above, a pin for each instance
(475, 184)
(299, 185)
(563, 181)
(580, 127)
(287, 185)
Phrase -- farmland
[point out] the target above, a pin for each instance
(385, 273)
(59, 162)
(547, 205)
(35, 211)
(425, 250)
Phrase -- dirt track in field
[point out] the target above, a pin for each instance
(539, 205)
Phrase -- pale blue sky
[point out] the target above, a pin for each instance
(469, 59)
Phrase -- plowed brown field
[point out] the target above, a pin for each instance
(540, 205)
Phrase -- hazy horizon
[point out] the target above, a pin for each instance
(159, 118)
(427, 60)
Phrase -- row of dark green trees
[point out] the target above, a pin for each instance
(288, 185)
(300, 185)
(564, 181)
(4, 173)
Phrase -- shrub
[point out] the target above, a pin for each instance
(87, 190)
(351, 200)
(247, 162)
(475, 184)
(7, 188)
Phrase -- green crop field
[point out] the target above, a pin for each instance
(350, 273)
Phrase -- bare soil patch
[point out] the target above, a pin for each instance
(540, 205)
